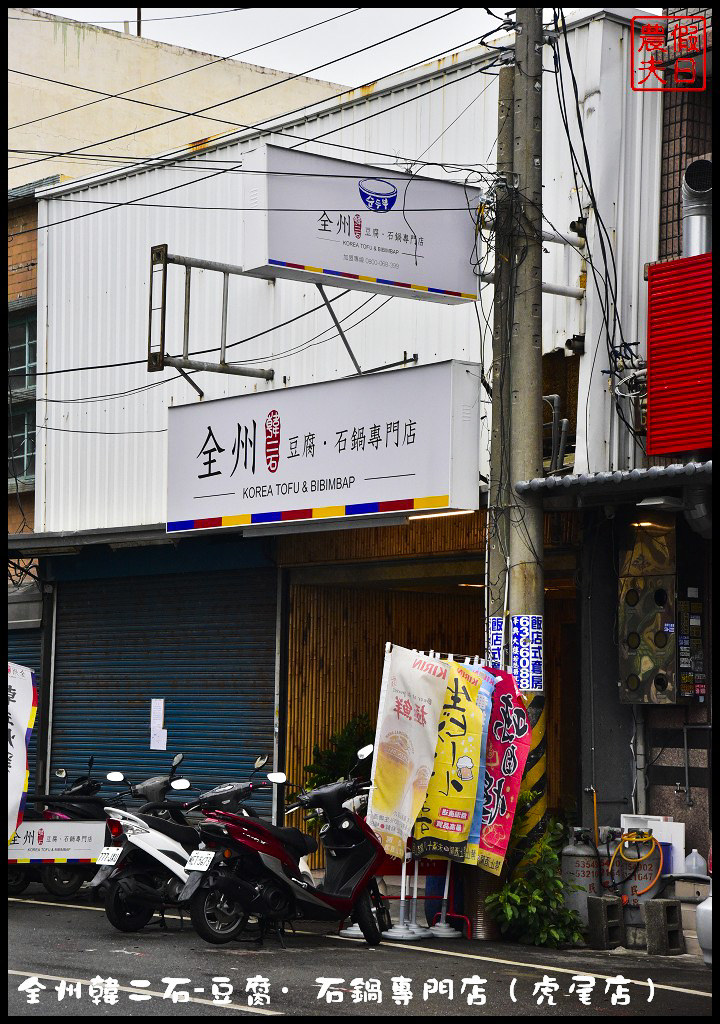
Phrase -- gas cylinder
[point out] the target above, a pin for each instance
(629, 878)
(580, 867)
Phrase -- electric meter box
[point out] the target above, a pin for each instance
(335, 222)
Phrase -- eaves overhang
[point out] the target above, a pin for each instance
(620, 486)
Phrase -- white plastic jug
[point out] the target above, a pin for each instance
(695, 864)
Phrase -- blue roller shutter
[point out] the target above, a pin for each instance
(24, 649)
(203, 642)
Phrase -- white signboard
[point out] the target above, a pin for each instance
(315, 218)
(394, 442)
(22, 705)
(60, 841)
(526, 645)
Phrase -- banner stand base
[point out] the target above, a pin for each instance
(353, 932)
(402, 933)
(441, 930)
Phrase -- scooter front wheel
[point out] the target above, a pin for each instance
(217, 917)
(365, 916)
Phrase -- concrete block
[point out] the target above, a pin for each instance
(663, 924)
(692, 892)
(606, 923)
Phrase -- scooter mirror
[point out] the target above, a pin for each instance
(115, 777)
(261, 761)
(60, 773)
(178, 760)
(277, 778)
(364, 752)
(180, 783)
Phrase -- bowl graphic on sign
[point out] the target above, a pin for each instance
(377, 194)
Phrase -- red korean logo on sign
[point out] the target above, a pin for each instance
(272, 440)
(669, 53)
(357, 225)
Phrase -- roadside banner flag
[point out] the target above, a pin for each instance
(484, 701)
(508, 745)
(22, 707)
(411, 700)
(444, 818)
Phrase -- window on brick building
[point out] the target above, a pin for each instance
(22, 367)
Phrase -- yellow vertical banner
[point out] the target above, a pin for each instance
(445, 815)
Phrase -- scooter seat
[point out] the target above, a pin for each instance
(296, 841)
(186, 835)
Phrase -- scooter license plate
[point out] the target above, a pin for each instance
(199, 860)
(109, 855)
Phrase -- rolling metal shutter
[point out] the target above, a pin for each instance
(679, 346)
(203, 642)
(24, 649)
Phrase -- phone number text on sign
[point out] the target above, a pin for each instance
(526, 642)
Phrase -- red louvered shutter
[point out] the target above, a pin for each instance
(679, 345)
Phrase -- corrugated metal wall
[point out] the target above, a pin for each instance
(24, 648)
(204, 642)
(94, 272)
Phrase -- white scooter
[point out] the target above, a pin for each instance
(144, 871)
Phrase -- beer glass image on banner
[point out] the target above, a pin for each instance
(410, 704)
(394, 764)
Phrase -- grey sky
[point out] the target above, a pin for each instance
(223, 34)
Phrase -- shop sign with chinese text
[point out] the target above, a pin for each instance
(315, 218)
(526, 649)
(22, 707)
(402, 441)
(60, 841)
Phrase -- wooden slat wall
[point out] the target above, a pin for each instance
(336, 650)
(440, 536)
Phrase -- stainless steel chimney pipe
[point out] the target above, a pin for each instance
(696, 192)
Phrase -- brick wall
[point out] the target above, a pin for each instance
(22, 252)
(687, 135)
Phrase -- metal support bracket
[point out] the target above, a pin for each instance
(340, 331)
(190, 381)
(157, 345)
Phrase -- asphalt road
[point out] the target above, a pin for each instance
(61, 944)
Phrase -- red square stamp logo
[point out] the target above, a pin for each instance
(669, 53)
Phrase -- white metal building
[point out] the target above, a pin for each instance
(101, 461)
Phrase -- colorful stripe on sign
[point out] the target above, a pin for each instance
(54, 860)
(298, 515)
(372, 280)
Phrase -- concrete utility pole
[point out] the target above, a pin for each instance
(526, 519)
(500, 491)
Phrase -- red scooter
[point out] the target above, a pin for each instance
(247, 868)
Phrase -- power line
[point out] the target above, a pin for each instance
(317, 339)
(137, 362)
(121, 21)
(254, 92)
(173, 157)
(299, 142)
(136, 88)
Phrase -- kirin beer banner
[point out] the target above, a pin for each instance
(411, 701)
(484, 701)
(22, 706)
(508, 745)
(444, 819)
